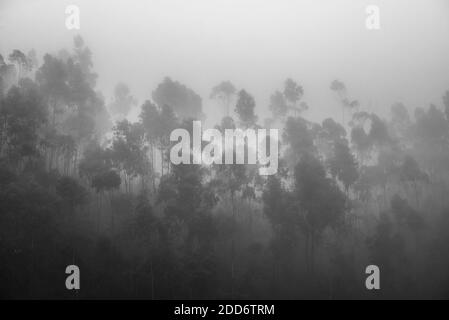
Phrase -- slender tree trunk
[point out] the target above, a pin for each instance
(98, 211)
(153, 169)
(306, 252)
(312, 253)
(152, 279)
(415, 186)
(112, 214)
(233, 249)
(162, 161)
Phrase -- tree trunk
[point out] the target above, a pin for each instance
(233, 248)
(415, 186)
(312, 253)
(152, 279)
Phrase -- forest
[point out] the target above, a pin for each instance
(81, 184)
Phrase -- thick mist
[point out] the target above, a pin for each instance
(212, 149)
(254, 44)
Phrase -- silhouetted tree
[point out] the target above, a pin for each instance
(245, 109)
(123, 100)
(184, 101)
(223, 92)
(321, 201)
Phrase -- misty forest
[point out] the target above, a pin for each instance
(82, 184)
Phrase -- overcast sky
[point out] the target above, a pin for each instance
(255, 44)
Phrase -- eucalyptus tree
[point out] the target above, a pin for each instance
(245, 109)
(129, 152)
(23, 114)
(21, 61)
(346, 103)
(322, 204)
(184, 102)
(224, 93)
(293, 94)
(123, 101)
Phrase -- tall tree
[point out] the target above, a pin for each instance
(245, 109)
(123, 100)
(446, 104)
(223, 93)
(343, 165)
(183, 100)
(411, 172)
(52, 78)
(346, 103)
(24, 65)
(278, 105)
(293, 94)
(128, 151)
(23, 113)
(321, 201)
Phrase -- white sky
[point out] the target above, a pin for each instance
(255, 44)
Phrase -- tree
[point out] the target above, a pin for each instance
(153, 129)
(293, 94)
(128, 151)
(85, 103)
(321, 201)
(123, 100)
(83, 58)
(281, 208)
(32, 59)
(2, 84)
(23, 64)
(7, 76)
(287, 100)
(183, 100)
(31, 231)
(169, 122)
(446, 104)
(431, 127)
(369, 134)
(405, 214)
(223, 93)
(410, 172)
(400, 123)
(144, 236)
(340, 88)
(333, 130)
(106, 181)
(23, 113)
(387, 248)
(399, 113)
(52, 78)
(378, 134)
(158, 124)
(96, 161)
(245, 109)
(361, 142)
(429, 136)
(278, 105)
(71, 192)
(187, 207)
(343, 165)
(299, 135)
(329, 134)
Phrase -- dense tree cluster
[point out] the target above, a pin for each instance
(76, 188)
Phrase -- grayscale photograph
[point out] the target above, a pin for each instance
(224, 150)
